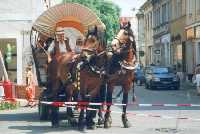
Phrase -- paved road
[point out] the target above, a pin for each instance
(186, 95)
(25, 120)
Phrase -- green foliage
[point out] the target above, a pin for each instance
(141, 53)
(6, 105)
(9, 51)
(107, 11)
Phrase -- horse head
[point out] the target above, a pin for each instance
(124, 44)
(95, 47)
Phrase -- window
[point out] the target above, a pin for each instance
(198, 52)
(190, 4)
(190, 33)
(168, 11)
(198, 6)
(179, 8)
(164, 13)
(150, 19)
(159, 16)
(197, 32)
(11, 66)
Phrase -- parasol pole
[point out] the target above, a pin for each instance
(5, 74)
(48, 55)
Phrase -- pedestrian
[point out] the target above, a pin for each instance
(197, 75)
(30, 88)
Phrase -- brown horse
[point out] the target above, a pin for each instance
(121, 69)
(83, 74)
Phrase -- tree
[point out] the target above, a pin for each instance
(107, 11)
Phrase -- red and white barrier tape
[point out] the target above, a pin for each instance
(119, 104)
(63, 104)
(129, 113)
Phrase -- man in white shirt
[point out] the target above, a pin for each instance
(60, 44)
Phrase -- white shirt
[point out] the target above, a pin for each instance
(62, 47)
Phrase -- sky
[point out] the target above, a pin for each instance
(127, 6)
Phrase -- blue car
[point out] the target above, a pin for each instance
(161, 77)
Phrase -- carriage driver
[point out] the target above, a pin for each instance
(60, 45)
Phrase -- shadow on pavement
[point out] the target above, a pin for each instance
(41, 129)
(29, 117)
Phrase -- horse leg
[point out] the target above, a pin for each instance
(70, 115)
(90, 115)
(54, 116)
(82, 118)
(134, 96)
(108, 120)
(101, 99)
(55, 109)
(125, 121)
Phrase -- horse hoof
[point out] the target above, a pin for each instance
(100, 121)
(91, 127)
(110, 120)
(73, 122)
(127, 124)
(134, 98)
(91, 124)
(125, 121)
(55, 125)
(107, 124)
(82, 128)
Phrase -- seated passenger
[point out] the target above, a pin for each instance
(79, 43)
(60, 45)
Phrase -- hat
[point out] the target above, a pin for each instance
(60, 30)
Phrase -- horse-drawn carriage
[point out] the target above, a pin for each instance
(72, 62)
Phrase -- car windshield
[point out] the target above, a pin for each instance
(161, 70)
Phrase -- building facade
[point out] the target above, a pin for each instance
(161, 32)
(192, 30)
(178, 35)
(16, 19)
(147, 10)
(141, 37)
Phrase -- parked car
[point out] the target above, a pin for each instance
(161, 77)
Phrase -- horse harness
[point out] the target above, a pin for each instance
(73, 76)
(124, 64)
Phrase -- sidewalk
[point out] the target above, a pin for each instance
(186, 85)
(189, 87)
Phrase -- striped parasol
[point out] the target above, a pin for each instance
(67, 15)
